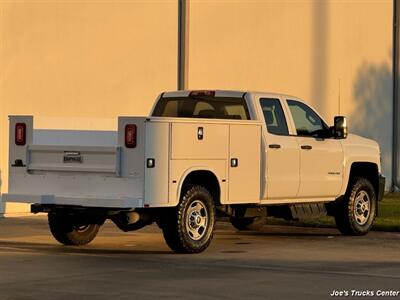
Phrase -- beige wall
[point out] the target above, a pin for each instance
(80, 64)
(321, 51)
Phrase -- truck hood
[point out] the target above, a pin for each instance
(356, 140)
(357, 148)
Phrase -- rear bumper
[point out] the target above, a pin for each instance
(75, 201)
(382, 181)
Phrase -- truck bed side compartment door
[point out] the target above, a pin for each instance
(244, 163)
(157, 163)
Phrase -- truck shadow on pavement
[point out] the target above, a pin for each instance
(96, 249)
(283, 234)
(47, 248)
(278, 230)
(18, 246)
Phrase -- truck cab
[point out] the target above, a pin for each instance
(199, 155)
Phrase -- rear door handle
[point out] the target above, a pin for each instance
(306, 147)
(274, 146)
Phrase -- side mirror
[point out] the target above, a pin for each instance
(340, 127)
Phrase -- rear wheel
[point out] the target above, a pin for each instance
(356, 212)
(189, 227)
(70, 231)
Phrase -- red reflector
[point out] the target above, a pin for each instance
(202, 93)
(20, 134)
(130, 136)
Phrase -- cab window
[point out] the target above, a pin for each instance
(307, 122)
(273, 116)
(202, 107)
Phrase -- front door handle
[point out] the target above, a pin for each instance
(306, 147)
(274, 146)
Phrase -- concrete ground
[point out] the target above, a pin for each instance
(278, 263)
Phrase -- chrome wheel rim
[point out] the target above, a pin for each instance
(196, 220)
(362, 207)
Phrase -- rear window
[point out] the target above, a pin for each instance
(202, 107)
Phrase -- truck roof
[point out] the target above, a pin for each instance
(224, 93)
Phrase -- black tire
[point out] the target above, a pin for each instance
(68, 231)
(249, 223)
(179, 225)
(356, 212)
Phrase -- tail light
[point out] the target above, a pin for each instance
(202, 93)
(130, 136)
(20, 134)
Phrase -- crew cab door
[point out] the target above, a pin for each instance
(321, 156)
(282, 157)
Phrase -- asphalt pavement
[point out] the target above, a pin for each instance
(280, 262)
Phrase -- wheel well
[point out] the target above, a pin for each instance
(368, 171)
(206, 179)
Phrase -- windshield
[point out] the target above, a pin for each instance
(202, 107)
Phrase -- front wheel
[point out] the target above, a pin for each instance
(189, 227)
(356, 212)
(70, 231)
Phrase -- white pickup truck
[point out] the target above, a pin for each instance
(199, 154)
